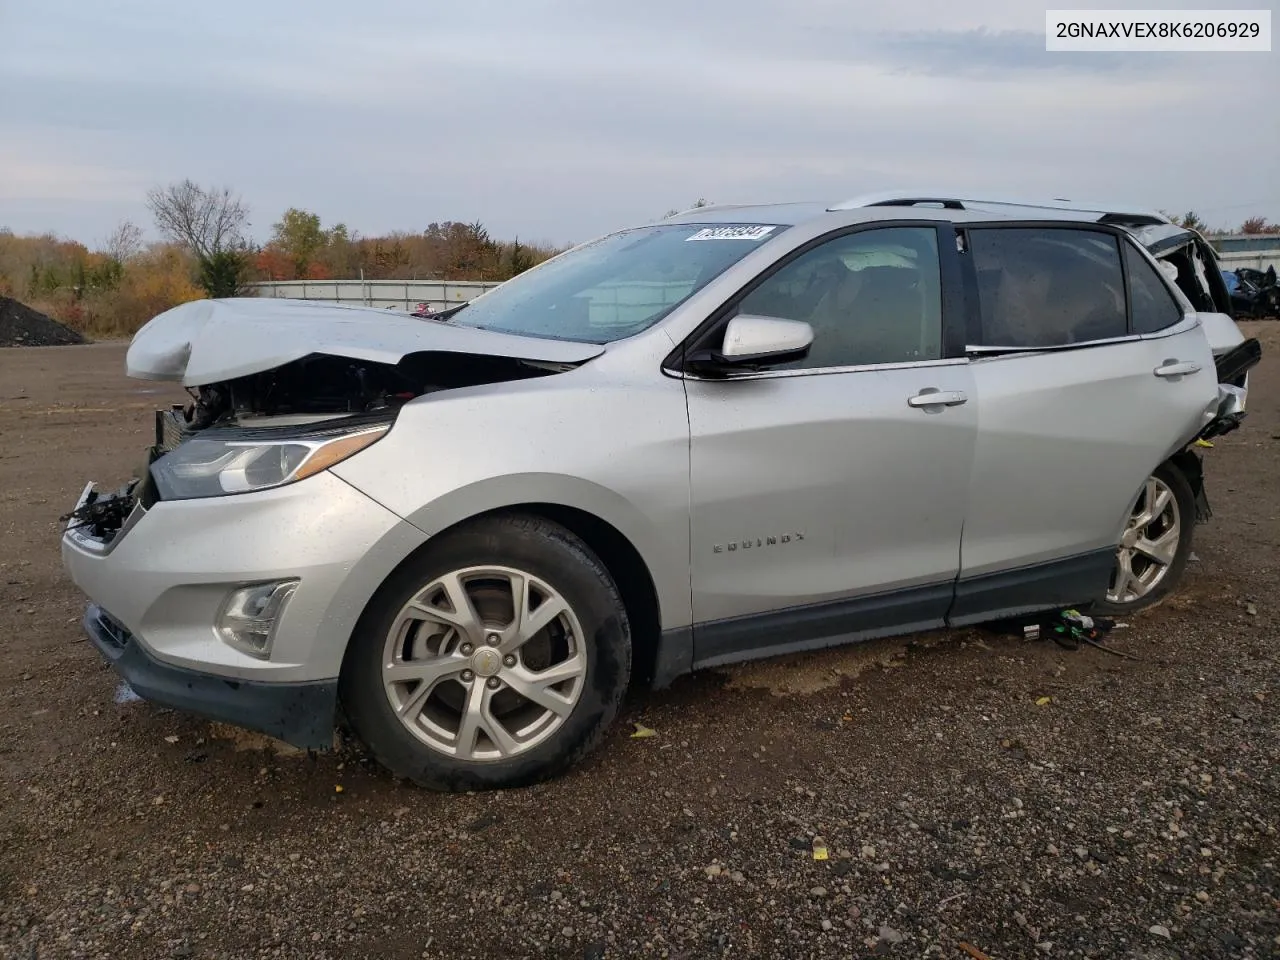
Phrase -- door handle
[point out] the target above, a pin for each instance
(1176, 368)
(933, 397)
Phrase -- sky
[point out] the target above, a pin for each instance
(559, 120)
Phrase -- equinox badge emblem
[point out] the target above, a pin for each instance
(733, 545)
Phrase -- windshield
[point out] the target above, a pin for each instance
(616, 286)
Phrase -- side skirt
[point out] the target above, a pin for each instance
(995, 596)
(1042, 586)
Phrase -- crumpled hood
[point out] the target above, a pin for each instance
(209, 341)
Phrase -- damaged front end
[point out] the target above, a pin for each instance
(275, 426)
(99, 517)
(282, 387)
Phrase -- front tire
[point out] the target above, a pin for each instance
(1156, 544)
(497, 657)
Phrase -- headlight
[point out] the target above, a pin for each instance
(210, 466)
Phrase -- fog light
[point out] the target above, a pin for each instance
(249, 616)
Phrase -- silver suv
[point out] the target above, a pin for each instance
(740, 432)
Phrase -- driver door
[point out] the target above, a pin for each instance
(828, 494)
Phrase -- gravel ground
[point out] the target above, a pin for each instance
(1132, 813)
(20, 326)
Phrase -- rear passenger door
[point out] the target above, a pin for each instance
(1089, 371)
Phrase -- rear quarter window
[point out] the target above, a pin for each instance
(1153, 307)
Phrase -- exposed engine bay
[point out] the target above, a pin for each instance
(312, 391)
(321, 386)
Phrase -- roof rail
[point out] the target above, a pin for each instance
(709, 207)
(1122, 214)
(900, 198)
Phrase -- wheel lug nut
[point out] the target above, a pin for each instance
(509, 660)
(467, 676)
(493, 639)
(494, 683)
(466, 649)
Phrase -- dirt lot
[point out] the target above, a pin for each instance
(1133, 814)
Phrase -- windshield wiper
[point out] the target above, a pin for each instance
(444, 315)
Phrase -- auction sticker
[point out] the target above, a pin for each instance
(754, 232)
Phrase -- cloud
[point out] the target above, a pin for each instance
(31, 177)
(983, 52)
(566, 118)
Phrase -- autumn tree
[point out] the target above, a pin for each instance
(1191, 221)
(519, 259)
(298, 236)
(1259, 225)
(340, 256)
(124, 242)
(211, 224)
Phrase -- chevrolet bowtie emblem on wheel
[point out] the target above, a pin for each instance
(734, 545)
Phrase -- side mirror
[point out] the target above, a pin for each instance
(752, 341)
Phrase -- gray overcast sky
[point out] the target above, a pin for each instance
(562, 119)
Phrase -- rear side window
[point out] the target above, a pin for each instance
(1047, 287)
(1153, 306)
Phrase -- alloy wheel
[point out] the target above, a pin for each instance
(1149, 544)
(484, 663)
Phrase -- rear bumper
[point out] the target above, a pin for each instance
(301, 714)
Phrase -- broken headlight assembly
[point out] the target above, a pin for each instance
(242, 461)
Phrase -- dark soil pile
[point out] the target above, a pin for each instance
(20, 326)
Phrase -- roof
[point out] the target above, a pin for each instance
(932, 205)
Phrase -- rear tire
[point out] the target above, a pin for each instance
(1156, 546)
(496, 657)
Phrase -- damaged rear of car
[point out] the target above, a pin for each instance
(1191, 263)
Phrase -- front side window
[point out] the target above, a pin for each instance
(871, 297)
(616, 286)
(1047, 287)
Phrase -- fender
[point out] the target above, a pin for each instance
(667, 563)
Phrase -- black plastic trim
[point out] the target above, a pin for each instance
(1134, 220)
(1192, 466)
(1041, 586)
(301, 714)
(1238, 361)
(955, 295)
(674, 657)
(819, 625)
(945, 203)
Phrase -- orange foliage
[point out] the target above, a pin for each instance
(272, 263)
(112, 292)
(94, 292)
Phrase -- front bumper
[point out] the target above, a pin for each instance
(300, 714)
(165, 576)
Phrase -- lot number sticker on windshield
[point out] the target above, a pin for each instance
(731, 233)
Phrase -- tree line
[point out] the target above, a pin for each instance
(211, 225)
(206, 251)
